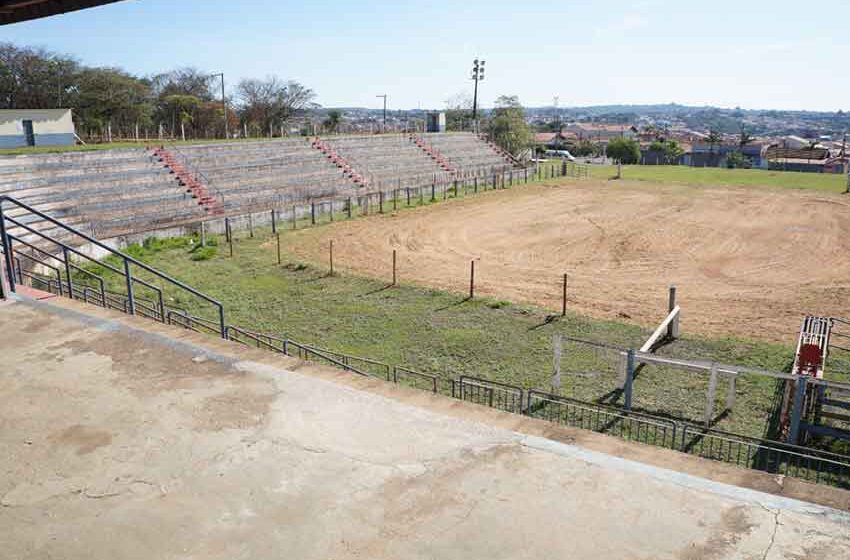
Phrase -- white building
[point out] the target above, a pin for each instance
(36, 127)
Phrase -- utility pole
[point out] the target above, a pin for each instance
(385, 111)
(477, 76)
(846, 161)
(223, 102)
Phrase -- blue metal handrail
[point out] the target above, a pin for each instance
(126, 259)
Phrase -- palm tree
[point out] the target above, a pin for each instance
(744, 138)
(714, 139)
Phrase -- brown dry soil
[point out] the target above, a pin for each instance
(748, 262)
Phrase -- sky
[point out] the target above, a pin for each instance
(754, 54)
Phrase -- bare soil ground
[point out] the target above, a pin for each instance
(748, 262)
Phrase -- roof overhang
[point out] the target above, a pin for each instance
(14, 11)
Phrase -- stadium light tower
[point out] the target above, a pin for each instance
(223, 102)
(477, 76)
(384, 95)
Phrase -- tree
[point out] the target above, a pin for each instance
(111, 99)
(583, 148)
(184, 81)
(508, 127)
(624, 150)
(269, 102)
(737, 160)
(714, 138)
(458, 111)
(331, 123)
(744, 138)
(669, 148)
(34, 78)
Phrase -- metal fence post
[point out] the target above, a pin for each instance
(797, 411)
(274, 222)
(732, 391)
(65, 256)
(564, 299)
(277, 236)
(673, 328)
(709, 401)
(312, 212)
(395, 278)
(7, 253)
(630, 376)
(4, 238)
(131, 300)
(471, 279)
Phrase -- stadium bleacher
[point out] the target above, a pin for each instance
(109, 193)
(104, 193)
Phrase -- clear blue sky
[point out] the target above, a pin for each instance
(783, 54)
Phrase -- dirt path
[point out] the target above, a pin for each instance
(747, 262)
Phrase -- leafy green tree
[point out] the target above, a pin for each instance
(331, 123)
(508, 126)
(624, 150)
(583, 148)
(737, 160)
(670, 148)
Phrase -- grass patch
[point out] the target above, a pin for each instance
(444, 334)
(714, 177)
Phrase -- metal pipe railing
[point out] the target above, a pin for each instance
(127, 260)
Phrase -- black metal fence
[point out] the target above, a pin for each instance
(490, 393)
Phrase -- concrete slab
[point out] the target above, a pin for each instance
(119, 442)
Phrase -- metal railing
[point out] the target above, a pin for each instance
(630, 425)
(130, 281)
(194, 168)
(411, 378)
(490, 393)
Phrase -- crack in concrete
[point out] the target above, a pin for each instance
(776, 525)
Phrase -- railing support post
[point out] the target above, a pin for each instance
(221, 322)
(709, 401)
(630, 377)
(131, 300)
(797, 411)
(7, 250)
(673, 328)
(67, 259)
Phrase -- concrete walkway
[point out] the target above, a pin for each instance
(119, 442)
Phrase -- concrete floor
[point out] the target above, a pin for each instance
(118, 442)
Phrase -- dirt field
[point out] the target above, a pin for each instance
(747, 262)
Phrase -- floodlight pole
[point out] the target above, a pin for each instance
(384, 129)
(477, 76)
(223, 103)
